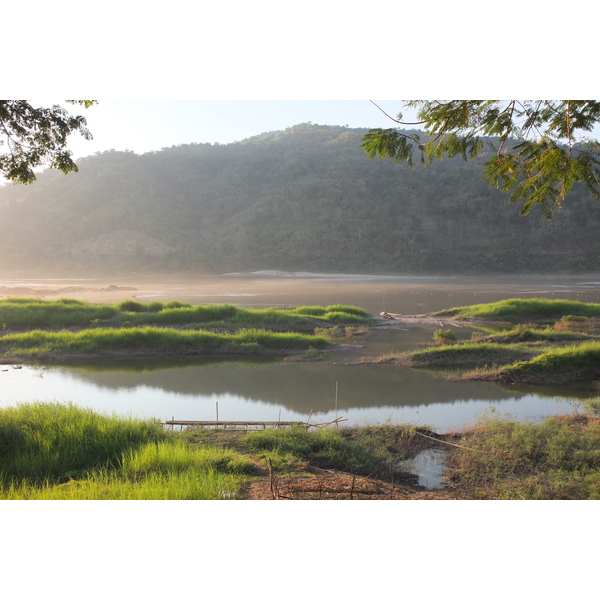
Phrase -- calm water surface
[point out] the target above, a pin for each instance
(262, 389)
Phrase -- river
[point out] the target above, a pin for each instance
(267, 389)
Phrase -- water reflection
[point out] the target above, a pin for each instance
(271, 390)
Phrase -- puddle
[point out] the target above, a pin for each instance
(428, 466)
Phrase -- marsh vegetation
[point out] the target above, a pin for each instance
(38, 330)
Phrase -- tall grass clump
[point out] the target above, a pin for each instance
(54, 451)
(342, 317)
(48, 440)
(327, 448)
(184, 315)
(348, 310)
(110, 485)
(150, 340)
(563, 363)
(444, 336)
(18, 313)
(313, 311)
(177, 456)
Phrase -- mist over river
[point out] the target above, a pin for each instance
(268, 389)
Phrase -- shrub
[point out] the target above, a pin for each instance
(444, 336)
(131, 306)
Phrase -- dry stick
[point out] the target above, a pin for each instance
(352, 488)
(338, 420)
(449, 443)
(273, 481)
(309, 415)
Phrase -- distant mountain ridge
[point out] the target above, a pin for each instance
(303, 199)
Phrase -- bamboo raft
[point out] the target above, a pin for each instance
(248, 425)
(238, 425)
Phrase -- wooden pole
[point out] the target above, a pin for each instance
(336, 399)
(217, 411)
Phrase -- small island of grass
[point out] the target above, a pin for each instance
(36, 330)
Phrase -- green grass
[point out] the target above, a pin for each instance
(55, 451)
(461, 355)
(519, 310)
(47, 329)
(579, 361)
(326, 448)
(17, 313)
(151, 340)
(63, 452)
(40, 441)
(522, 333)
(170, 457)
(108, 485)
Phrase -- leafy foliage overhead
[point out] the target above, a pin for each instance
(34, 137)
(540, 151)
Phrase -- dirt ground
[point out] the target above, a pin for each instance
(329, 484)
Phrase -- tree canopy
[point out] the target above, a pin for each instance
(303, 199)
(35, 137)
(536, 149)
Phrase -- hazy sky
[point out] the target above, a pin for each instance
(277, 65)
(146, 125)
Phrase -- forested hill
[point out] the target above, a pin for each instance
(303, 199)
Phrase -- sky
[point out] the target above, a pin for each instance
(198, 72)
(148, 125)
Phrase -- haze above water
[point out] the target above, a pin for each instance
(260, 389)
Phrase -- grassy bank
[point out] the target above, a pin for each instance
(533, 309)
(53, 451)
(456, 356)
(41, 345)
(62, 452)
(43, 330)
(32, 313)
(558, 458)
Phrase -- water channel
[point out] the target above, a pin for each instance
(267, 389)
